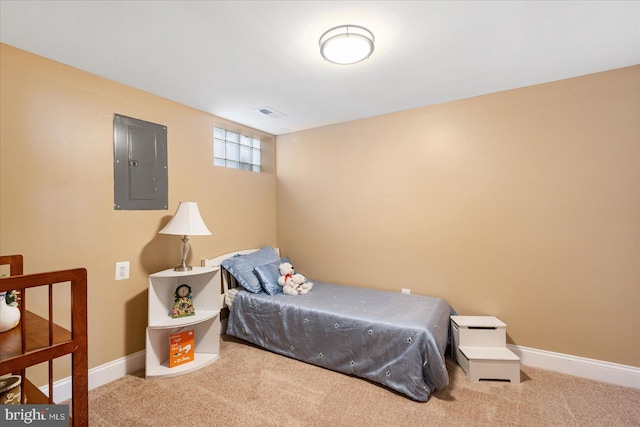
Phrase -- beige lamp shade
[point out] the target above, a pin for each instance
(187, 221)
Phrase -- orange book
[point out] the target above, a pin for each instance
(181, 348)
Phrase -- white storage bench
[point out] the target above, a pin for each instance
(480, 348)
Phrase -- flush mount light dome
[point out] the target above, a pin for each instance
(346, 44)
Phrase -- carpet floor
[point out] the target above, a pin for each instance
(248, 386)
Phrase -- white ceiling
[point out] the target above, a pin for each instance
(229, 58)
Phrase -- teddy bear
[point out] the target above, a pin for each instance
(286, 272)
(292, 283)
(289, 289)
(285, 280)
(301, 284)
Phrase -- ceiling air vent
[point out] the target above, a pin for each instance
(269, 112)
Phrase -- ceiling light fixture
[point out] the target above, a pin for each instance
(346, 44)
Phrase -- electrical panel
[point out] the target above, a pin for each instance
(140, 165)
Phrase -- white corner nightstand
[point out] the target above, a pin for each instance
(480, 348)
(205, 287)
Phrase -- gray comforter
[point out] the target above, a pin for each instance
(391, 338)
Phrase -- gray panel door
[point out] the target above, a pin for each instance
(140, 164)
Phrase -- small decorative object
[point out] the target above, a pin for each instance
(301, 284)
(181, 348)
(183, 304)
(10, 390)
(293, 283)
(9, 311)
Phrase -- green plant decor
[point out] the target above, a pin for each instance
(12, 298)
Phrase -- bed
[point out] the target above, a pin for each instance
(394, 339)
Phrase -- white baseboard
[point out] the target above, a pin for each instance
(99, 375)
(613, 373)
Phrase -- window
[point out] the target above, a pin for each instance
(236, 151)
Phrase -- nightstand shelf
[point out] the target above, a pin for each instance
(164, 370)
(200, 316)
(205, 284)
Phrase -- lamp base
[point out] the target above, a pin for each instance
(183, 267)
(185, 251)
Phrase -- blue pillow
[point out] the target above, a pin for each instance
(241, 267)
(268, 276)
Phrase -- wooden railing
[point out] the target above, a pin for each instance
(39, 339)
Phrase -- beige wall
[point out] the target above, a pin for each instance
(56, 191)
(523, 204)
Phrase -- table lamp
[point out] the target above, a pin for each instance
(187, 221)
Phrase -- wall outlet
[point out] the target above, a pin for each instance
(406, 291)
(122, 270)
